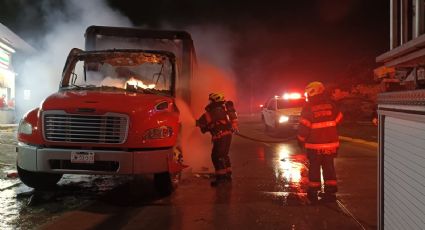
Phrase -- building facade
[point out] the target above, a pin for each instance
(10, 44)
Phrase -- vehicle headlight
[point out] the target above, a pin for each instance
(24, 127)
(158, 133)
(283, 119)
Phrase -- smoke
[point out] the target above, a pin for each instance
(213, 73)
(40, 74)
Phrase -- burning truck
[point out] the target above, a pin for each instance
(115, 111)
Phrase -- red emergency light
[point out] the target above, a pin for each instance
(291, 96)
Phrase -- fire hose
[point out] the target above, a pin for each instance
(265, 141)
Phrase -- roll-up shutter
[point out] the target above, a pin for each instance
(403, 174)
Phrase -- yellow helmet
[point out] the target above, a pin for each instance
(314, 88)
(216, 97)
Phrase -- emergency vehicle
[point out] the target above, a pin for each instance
(115, 111)
(282, 112)
(401, 113)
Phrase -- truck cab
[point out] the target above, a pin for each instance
(114, 112)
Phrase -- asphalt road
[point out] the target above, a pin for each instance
(267, 192)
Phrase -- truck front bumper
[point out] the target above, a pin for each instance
(56, 160)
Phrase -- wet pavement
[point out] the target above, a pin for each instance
(267, 192)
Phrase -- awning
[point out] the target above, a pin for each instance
(13, 40)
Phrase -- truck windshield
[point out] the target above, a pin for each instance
(286, 104)
(140, 72)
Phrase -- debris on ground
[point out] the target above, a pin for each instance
(12, 174)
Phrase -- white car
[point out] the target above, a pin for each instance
(282, 112)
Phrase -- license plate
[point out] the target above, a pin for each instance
(82, 157)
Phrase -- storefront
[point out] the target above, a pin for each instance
(7, 84)
(10, 44)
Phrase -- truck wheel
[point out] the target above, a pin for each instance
(38, 180)
(163, 183)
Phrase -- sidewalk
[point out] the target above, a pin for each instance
(8, 126)
(359, 132)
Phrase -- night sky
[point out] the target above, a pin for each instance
(281, 43)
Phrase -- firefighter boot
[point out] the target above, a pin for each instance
(312, 196)
(329, 195)
(329, 198)
(229, 176)
(219, 179)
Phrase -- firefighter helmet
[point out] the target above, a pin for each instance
(216, 97)
(314, 88)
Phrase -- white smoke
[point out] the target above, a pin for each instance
(213, 73)
(40, 74)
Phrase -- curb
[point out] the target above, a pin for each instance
(8, 126)
(360, 141)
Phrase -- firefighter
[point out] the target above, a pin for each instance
(318, 135)
(220, 119)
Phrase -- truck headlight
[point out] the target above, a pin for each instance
(158, 133)
(24, 128)
(283, 119)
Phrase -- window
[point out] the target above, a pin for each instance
(272, 105)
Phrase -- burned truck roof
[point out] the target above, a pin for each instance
(179, 43)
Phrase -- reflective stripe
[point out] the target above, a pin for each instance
(333, 145)
(331, 182)
(305, 122)
(338, 118)
(324, 124)
(314, 184)
(301, 138)
(220, 172)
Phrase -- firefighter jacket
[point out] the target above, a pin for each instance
(220, 118)
(318, 125)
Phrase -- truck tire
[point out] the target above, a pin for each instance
(38, 180)
(163, 183)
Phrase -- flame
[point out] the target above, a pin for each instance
(138, 84)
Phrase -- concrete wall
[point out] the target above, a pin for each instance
(7, 117)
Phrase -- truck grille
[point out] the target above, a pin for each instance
(60, 126)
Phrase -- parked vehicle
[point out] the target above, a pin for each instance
(282, 112)
(115, 111)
